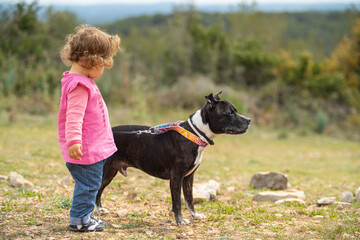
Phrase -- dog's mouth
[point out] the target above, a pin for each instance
(235, 132)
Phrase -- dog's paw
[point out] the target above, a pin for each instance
(184, 221)
(199, 216)
(102, 211)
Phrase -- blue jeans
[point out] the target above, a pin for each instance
(87, 183)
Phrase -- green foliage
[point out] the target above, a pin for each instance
(321, 31)
(29, 61)
(256, 62)
(61, 202)
(8, 205)
(205, 41)
(24, 192)
(280, 58)
(137, 215)
(321, 122)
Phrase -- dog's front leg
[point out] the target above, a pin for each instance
(188, 196)
(175, 187)
(109, 172)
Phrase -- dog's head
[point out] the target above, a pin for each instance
(222, 116)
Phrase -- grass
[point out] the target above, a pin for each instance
(318, 165)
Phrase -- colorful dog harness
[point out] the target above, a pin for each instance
(176, 127)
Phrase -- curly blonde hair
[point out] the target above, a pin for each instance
(90, 47)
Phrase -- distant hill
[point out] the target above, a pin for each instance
(107, 13)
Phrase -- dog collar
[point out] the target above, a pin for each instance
(176, 127)
(199, 132)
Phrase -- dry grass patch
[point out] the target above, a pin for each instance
(318, 165)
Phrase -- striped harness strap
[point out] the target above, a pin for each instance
(176, 127)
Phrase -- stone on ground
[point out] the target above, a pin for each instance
(270, 180)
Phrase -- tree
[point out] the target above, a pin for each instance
(256, 62)
(346, 58)
(29, 61)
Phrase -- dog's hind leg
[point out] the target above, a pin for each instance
(188, 196)
(109, 172)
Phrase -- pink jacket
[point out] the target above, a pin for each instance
(97, 138)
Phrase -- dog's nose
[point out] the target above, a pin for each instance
(248, 120)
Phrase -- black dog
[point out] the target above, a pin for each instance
(170, 155)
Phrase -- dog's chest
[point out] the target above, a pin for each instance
(197, 161)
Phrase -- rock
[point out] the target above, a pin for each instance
(326, 201)
(346, 197)
(16, 180)
(273, 196)
(286, 200)
(342, 205)
(206, 191)
(3, 177)
(357, 195)
(270, 180)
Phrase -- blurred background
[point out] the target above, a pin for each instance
(290, 66)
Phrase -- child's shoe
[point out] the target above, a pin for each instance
(101, 222)
(92, 226)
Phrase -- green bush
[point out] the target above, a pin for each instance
(30, 69)
(321, 122)
(189, 93)
(256, 62)
(173, 61)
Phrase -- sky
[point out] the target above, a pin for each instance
(197, 2)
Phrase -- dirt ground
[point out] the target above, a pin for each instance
(140, 209)
(140, 205)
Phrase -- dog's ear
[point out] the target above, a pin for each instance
(216, 97)
(210, 100)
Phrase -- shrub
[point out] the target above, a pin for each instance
(321, 122)
(190, 94)
(257, 63)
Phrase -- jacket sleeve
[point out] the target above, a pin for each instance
(76, 105)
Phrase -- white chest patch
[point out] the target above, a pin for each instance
(205, 128)
(197, 161)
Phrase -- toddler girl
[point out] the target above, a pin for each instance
(85, 134)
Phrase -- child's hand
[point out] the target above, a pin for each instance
(75, 151)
